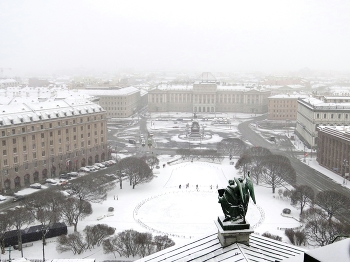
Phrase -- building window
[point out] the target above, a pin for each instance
(15, 159)
(32, 128)
(66, 131)
(43, 153)
(324, 115)
(42, 126)
(15, 150)
(33, 137)
(42, 135)
(59, 132)
(34, 155)
(24, 139)
(14, 141)
(3, 133)
(4, 142)
(4, 152)
(5, 162)
(24, 148)
(318, 116)
(339, 116)
(50, 125)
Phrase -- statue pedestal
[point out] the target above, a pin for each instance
(233, 232)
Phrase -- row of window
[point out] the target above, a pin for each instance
(331, 116)
(32, 128)
(43, 154)
(42, 135)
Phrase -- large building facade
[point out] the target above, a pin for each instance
(283, 107)
(42, 140)
(313, 112)
(334, 149)
(119, 103)
(207, 96)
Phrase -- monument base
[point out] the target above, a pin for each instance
(233, 232)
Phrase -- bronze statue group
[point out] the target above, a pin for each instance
(234, 199)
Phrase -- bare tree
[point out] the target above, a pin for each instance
(146, 247)
(46, 209)
(72, 242)
(21, 217)
(231, 146)
(151, 161)
(114, 245)
(131, 243)
(276, 173)
(94, 235)
(332, 202)
(322, 232)
(74, 209)
(301, 196)
(163, 242)
(90, 188)
(251, 159)
(136, 169)
(5, 225)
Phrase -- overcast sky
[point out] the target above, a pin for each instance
(264, 35)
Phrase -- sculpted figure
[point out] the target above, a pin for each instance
(234, 198)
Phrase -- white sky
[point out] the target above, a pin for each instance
(44, 36)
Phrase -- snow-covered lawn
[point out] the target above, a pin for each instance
(161, 207)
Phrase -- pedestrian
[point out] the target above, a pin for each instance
(211, 187)
(179, 186)
(114, 197)
(117, 197)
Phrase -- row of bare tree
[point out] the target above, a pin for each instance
(132, 243)
(190, 154)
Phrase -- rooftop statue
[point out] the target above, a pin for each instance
(234, 199)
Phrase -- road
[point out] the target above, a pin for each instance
(305, 174)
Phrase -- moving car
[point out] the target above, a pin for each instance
(18, 198)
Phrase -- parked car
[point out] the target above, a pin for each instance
(96, 167)
(112, 161)
(65, 176)
(124, 151)
(100, 165)
(2, 198)
(91, 168)
(35, 185)
(18, 198)
(51, 181)
(84, 169)
(73, 174)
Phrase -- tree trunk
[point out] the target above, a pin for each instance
(75, 227)
(120, 183)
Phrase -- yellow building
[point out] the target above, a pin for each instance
(42, 140)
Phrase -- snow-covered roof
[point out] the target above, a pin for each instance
(209, 249)
(114, 92)
(315, 103)
(292, 96)
(29, 112)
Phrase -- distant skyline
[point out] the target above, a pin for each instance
(41, 36)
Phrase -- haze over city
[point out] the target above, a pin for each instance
(46, 37)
